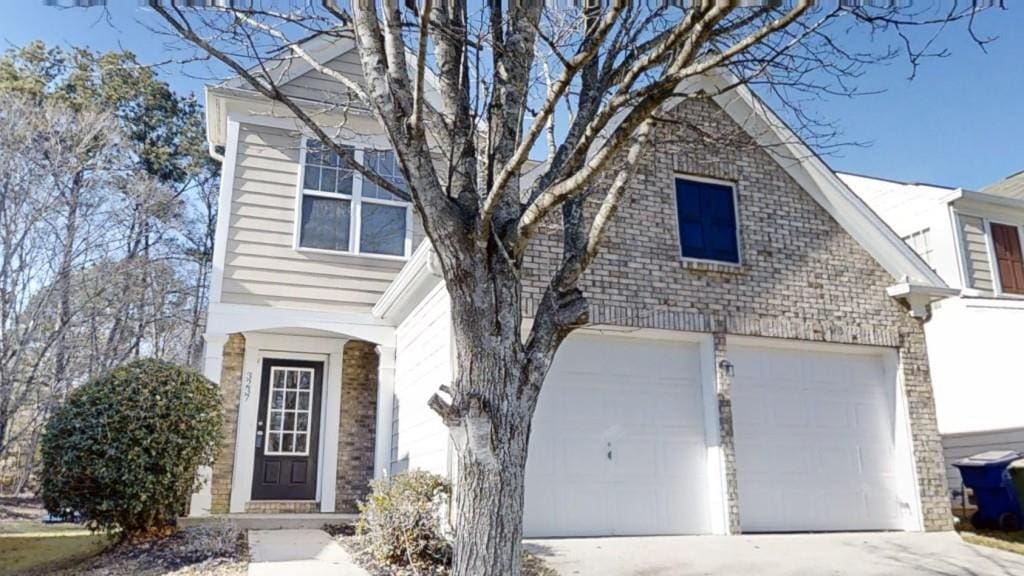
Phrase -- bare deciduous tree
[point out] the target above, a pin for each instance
(591, 78)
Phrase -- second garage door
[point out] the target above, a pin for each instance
(815, 437)
(618, 441)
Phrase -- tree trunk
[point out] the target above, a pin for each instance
(489, 422)
(491, 443)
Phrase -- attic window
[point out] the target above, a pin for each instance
(920, 242)
(706, 213)
(342, 212)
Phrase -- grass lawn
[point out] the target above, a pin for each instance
(1008, 541)
(46, 550)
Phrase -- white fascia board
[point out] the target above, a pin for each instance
(918, 297)
(818, 180)
(229, 318)
(215, 129)
(414, 281)
(967, 200)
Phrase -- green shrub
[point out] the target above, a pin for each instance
(123, 451)
(401, 520)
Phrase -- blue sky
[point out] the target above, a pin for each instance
(960, 122)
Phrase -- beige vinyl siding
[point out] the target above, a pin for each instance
(261, 266)
(317, 86)
(976, 256)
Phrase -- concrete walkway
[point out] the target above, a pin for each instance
(864, 554)
(298, 553)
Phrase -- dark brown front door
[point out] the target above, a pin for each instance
(288, 430)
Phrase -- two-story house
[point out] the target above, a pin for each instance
(973, 240)
(756, 360)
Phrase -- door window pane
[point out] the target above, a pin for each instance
(289, 414)
(382, 230)
(325, 223)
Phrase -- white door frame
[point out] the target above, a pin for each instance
(907, 480)
(257, 346)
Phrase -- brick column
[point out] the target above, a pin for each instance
(357, 427)
(230, 386)
(924, 431)
(724, 388)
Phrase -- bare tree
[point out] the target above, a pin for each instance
(53, 164)
(591, 78)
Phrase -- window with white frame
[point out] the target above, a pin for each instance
(920, 242)
(341, 211)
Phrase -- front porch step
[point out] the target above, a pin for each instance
(273, 521)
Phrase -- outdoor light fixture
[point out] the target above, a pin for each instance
(727, 367)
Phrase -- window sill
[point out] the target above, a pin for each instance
(711, 266)
(343, 253)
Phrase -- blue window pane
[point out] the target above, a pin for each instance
(325, 223)
(382, 230)
(707, 221)
(325, 171)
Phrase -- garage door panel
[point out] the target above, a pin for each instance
(584, 510)
(642, 400)
(814, 439)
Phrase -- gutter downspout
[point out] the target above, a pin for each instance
(212, 150)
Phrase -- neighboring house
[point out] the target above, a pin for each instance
(754, 362)
(973, 240)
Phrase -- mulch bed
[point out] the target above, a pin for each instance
(216, 549)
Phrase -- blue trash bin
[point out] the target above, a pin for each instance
(988, 475)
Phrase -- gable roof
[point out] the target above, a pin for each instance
(1011, 187)
(322, 48)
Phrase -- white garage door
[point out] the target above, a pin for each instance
(815, 440)
(618, 441)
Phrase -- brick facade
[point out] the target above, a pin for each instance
(230, 385)
(357, 426)
(802, 275)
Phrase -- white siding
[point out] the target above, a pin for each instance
(423, 363)
(261, 266)
(979, 267)
(957, 446)
(974, 350)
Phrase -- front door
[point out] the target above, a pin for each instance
(288, 430)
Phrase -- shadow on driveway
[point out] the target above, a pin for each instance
(847, 554)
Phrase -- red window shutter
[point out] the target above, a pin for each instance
(1009, 258)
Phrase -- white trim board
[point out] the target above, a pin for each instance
(225, 195)
(227, 318)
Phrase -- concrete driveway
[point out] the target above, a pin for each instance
(861, 554)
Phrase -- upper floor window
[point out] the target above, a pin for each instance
(707, 220)
(1009, 259)
(341, 211)
(920, 242)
